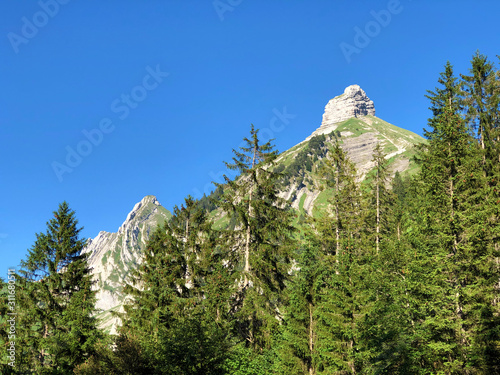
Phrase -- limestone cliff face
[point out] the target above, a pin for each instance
(352, 103)
(113, 255)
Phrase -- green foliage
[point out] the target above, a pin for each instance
(481, 101)
(321, 327)
(296, 347)
(56, 327)
(209, 203)
(397, 276)
(261, 239)
(244, 361)
(453, 218)
(302, 160)
(379, 216)
(126, 359)
(176, 314)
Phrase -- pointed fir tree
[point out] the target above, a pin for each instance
(157, 285)
(447, 95)
(57, 324)
(446, 155)
(446, 236)
(480, 269)
(338, 175)
(380, 198)
(297, 353)
(261, 241)
(340, 296)
(387, 332)
(481, 91)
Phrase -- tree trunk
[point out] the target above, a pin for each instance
(337, 219)
(247, 244)
(189, 276)
(311, 369)
(378, 209)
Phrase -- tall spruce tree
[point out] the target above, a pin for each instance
(57, 329)
(387, 333)
(481, 215)
(440, 230)
(341, 295)
(297, 353)
(380, 198)
(156, 286)
(338, 175)
(481, 91)
(448, 238)
(261, 240)
(400, 190)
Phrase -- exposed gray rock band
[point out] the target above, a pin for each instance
(352, 103)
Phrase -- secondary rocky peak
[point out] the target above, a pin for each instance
(112, 256)
(352, 103)
(147, 203)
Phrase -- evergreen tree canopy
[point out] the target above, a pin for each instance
(261, 240)
(171, 314)
(57, 326)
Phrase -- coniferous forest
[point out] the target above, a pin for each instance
(399, 275)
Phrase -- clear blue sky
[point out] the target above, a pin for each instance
(66, 65)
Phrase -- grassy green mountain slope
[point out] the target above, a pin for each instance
(358, 136)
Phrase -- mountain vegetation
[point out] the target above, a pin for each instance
(391, 272)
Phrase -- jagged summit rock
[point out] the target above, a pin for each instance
(352, 103)
(147, 200)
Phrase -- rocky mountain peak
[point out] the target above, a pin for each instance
(145, 205)
(352, 103)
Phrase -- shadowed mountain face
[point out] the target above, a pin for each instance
(348, 118)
